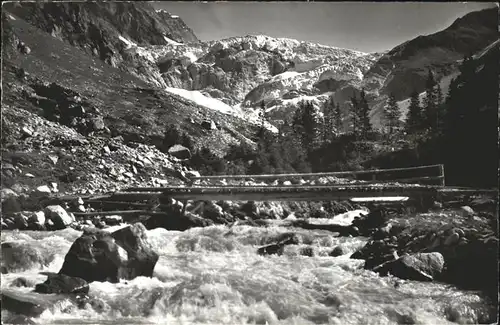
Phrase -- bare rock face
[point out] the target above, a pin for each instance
(101, 256)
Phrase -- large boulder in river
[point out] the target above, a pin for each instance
(179, 151)
(420, 266)
(369, 223)
(58, 216)
(100, 256)
(26, 303)
(60, 283)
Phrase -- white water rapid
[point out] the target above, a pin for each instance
(214, 276)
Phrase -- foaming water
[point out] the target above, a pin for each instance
(213, 275)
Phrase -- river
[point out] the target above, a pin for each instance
(213, 275)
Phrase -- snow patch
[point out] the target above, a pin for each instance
(12, 17)
(174, 16)
(202, 100)
(171, 41)
(190, 56)
(285, 75)
(217, 105)
(128, 42)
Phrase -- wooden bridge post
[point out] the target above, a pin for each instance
(441, 173)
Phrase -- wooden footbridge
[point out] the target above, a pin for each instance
(420, 186)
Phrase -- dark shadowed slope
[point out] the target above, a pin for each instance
(406, 65)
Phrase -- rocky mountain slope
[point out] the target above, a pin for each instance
(71, 119)
(234, 76)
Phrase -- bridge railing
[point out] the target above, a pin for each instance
(423, 175)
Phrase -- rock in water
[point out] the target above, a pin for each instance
(420, 266)
(29, 304)
(141, 257)
(337, 251)
(278, 248)
(101, 256)
(179, 151)
(59, 216)
(60, 283)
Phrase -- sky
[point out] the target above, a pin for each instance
(361, 26)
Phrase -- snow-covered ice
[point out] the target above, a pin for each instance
(126, 41)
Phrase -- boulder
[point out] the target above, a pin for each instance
(11, 205)
(179, 152)
(209, 125)
(213, 211)
(250, 209)
(192, 173)
(27, 131)
(483, 203)
(337, 251)
(43, 189)
(20, 220)
(7, 193)
(452, 239)
(36, 218)
(419, 266)
(27, 303)
(377, 218)
(10, 201)
(58, 216)
(113, 220)
(97, 123)
(466, 211)
(60, 283)
(100, 256)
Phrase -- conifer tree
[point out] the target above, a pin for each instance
(364, 115)
(392, 113)
(305, 124)
(354, 116)
(328, 119)
(430, 102)
(262, 120)
(440, 108)
(414, 120)
(338, 118)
